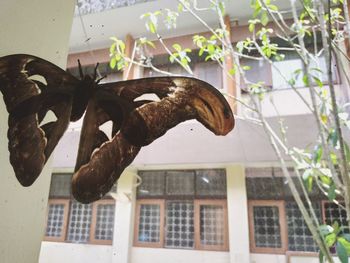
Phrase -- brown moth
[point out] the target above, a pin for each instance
(32, 87)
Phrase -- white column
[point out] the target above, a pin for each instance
(124, 217)
(237, 214)
(41, 28)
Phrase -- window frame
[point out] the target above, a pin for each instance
(95, 205)
(280, 204)
(66, 203)
(197, 241)
(196, 219)
(161, 204)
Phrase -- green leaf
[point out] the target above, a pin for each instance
(232, 71)
(264, 18)
(306, 80)
(177, 47)
(318, 81)
(151, 27)
(113, 62)
(343, 240)
(112, 48)
(317, 155)
(246, 67)
(346, 237)
(331, 192)
(251, 27)
(330, 239)
(341, 252)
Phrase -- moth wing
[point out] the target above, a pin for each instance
(180, 99)
(101, 160)
(31, 88)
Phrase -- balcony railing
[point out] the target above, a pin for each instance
(85, 7)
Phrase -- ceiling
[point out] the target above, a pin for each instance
(93, 31)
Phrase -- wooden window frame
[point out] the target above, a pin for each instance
(66, 203)
(161, 204)
(280, 204)
(93, 240)
(197, 239)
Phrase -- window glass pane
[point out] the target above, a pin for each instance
(79, 222)
(179, 225)
(209, 72)
(335, 213)
(60, 185)
(284, 70)
(152, 183)
(260, 70)
(264, 188)
(180, 183)
(267, 230)
(320, 63)
(104, 222)
(211, 183)
(212, 225)
(299, 235)
(149, 224)
(55, 220)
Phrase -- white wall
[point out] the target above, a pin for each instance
(59, 252)
(154, 255)
(41, 28)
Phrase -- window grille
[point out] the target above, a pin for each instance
(299, 235)
(79, 222)
(179, 225)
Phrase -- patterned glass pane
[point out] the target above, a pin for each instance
(262, 186)
(60, 185)
(152, 183)
(299, 235)
(104, 222)
(180, 183)
(55, 220)
(211, 183)
(211, 225)
(179, 225)
(335, 213)
(79, 222)
(267, 231)
(149, 224)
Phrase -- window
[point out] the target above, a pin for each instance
(267, 226)
(275, 221)
(71, 221)
(285, 70)
(260, 70)
(182, 209)
(299, 235)
(333, 213)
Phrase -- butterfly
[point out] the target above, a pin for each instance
(32, 87)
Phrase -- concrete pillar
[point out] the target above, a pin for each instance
(237, 214)
(124, 217)
(41, 28)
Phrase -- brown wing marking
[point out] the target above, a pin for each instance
(27, 101)
(188, 98)
(94, 179)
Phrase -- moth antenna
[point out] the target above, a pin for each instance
(95, 71)
(80, 70)
(97, 81)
